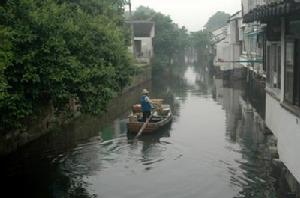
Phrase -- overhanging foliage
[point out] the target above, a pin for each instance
(55, 50)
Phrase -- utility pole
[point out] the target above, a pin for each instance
(131, 26)
(129, 4)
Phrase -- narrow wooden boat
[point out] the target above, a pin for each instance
(157, 121)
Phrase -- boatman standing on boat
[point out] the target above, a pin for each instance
(146, 104)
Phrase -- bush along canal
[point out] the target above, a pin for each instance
(216, 146)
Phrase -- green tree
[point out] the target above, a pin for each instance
(56, 50)
(218, 20)
(200, 41)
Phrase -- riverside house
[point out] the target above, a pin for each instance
(227, 43)
(282, 63)
(252, 55)
(143, 34)
(220, 41)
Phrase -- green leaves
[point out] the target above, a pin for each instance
(200, 39)
(5, 57)
(55, 50)
(218, 20)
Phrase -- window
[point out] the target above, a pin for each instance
(273, 64)
(138, 48)
(267, 62)
(297, 74)
(292, 63)
(289, 72)
(292, 73)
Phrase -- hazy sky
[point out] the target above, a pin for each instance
(191, 13)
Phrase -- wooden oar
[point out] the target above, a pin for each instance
(143, 126)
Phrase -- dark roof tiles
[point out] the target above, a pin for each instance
(142, 29)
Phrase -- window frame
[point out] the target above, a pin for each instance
(273, 57)
(289, 98)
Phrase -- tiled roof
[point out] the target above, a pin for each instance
(142, 28)
(268, 12)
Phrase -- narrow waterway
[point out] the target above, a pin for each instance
(215, 147)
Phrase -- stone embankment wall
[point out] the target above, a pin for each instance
(47, 121)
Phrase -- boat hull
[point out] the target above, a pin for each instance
(134, 127)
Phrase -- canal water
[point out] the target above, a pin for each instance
(215, 147)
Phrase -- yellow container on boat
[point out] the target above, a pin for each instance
(157, 101)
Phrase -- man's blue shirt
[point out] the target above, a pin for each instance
(145, 102)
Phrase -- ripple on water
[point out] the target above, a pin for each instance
(95, 156)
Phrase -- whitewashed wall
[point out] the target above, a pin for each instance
(286, 127)
(222, 53)
(233, 32)
(146, 49)
(227, 52)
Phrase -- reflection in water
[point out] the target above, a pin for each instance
(215, 147)
(245, 127)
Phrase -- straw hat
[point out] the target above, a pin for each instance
(145, 91)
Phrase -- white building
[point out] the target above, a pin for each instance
(220, 41)
(235, 41)
(253, 40)
(143, 33)
(228, 45)
(282, 62)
